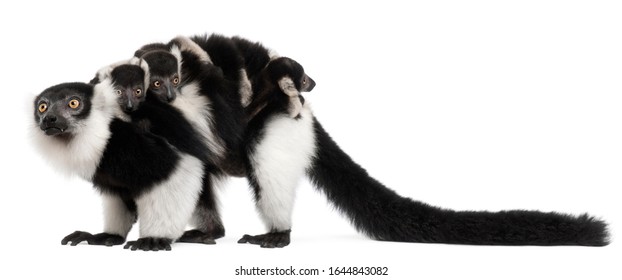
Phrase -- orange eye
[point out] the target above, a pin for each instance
(74, 103)
(176, 80)
(157, 84)
(138, 92)
(43, 107)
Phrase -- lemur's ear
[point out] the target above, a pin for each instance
(143, 64)
(286, 84)
(295, 104)
(104, 73)
(176, 51)
(134, 61)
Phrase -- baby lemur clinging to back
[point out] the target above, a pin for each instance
(280, 141)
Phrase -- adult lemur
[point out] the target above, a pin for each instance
(140, 174)
(280, 149)
(131, 82)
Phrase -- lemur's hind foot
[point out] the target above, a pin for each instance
(197, 236)
(103, 238)
(277, 239)
(149, 244)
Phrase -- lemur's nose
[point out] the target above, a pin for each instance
(50, 119)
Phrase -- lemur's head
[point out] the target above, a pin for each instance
(289, 75)
(62, 109)
(165, 76)
(282, 81)
(127, 80)
(130, 85)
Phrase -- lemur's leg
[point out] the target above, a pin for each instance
(276, 164)
(165, 210)
(206, 217)
(119, 216)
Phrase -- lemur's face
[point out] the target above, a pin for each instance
(129, 86)
(165, 78)
(284, 67)
(165, 87)
(61, 109)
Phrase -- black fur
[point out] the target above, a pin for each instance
(276, 239)
(229, 121)
(224, 54)
(134, 160)
(382, 214)
(221, 92)
(103, 238)
(166, 121)
(160, 65)
(373, 209)
(268, 101)
(149, 244)
(256, 56)
(127, 75)
(65, 92)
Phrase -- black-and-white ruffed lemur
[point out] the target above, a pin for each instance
(140, 175)
(282, 143)
(268, 171)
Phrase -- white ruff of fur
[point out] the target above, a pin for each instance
(196, 109)
(117, 219)
(280, 160)
(165, 211)
(81, 155)
(186, 44)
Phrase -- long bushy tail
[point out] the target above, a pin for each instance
(382, 214)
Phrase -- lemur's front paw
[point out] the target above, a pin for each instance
(277, 239)
(149, 244)
(103, 238)
(197, 236)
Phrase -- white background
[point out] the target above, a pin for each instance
(470, 105)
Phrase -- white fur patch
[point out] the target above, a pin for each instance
(145, 66)
(279, 161)
(246, 89)
(82, 154)
(105, 71)
(117, 219)
(165, 210)
(295, 107)
(196, 109)
(186, 44)
(273, 54)
(288, 87)
(177, 54)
